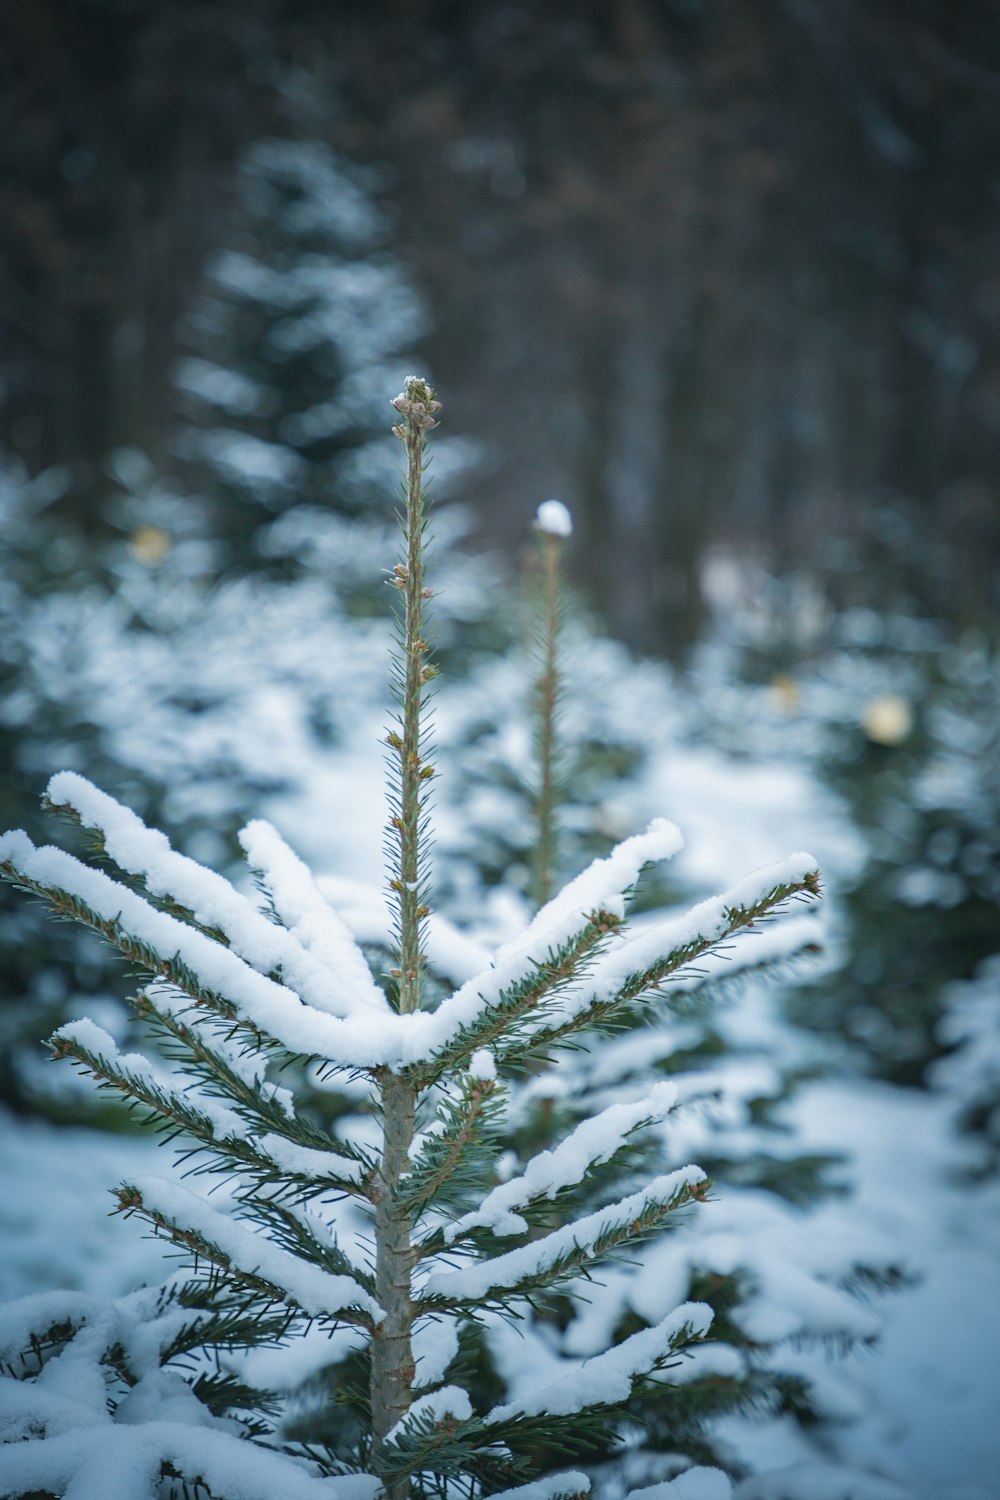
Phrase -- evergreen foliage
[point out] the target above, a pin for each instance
(970, 1073)
(301, 323)
(777, 1279)
(903, 720)
(198, 650)
(396, 1238)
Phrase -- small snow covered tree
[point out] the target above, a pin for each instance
(970, 1074)
(400, 1230)
(303, 319)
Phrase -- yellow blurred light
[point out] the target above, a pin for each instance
(785, 693)
(887, 719)
(149, 545)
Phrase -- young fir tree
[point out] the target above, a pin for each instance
(302, 321)
(405, 1235)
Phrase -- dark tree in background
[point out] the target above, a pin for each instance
(120, 126)
(718, 273)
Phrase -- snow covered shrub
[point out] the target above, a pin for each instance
(970, 1074)
(401, 1238)
(301, 325)
(903, 722)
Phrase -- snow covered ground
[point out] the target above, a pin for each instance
(928, 1416)
(930, 1395)
(936, 1382)
(54, 1226)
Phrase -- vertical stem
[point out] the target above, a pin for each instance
(416, 407)
(546, 699)
(392, 1369)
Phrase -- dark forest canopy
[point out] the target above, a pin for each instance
(718, 272)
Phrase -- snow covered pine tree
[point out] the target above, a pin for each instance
(403, 1238)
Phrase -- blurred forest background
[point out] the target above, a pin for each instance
(724, 276)
(721, 273)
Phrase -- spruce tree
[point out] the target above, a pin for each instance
(404, 1232)
(302, 321)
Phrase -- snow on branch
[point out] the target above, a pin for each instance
(607, 1380)
(92, 1408)
(707, 923)
(571, 1247)
(498, 1003)
(215, 904)
(25, 1322)
(451, 952)
(450, 1401)
(435, 1345)
(165, 943)
(602, 886)
(248, 1257)
(593, 1141)
(105, 1458)
(165, 1094)
(569, 1485)
(642, 962)
(699, 1483)
(572, 924)
(309, 917)
(175, 1103)
(443, 1155)
(209, 970)
(531, 977)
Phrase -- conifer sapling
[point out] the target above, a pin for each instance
(553, 525)
(402, 1236)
